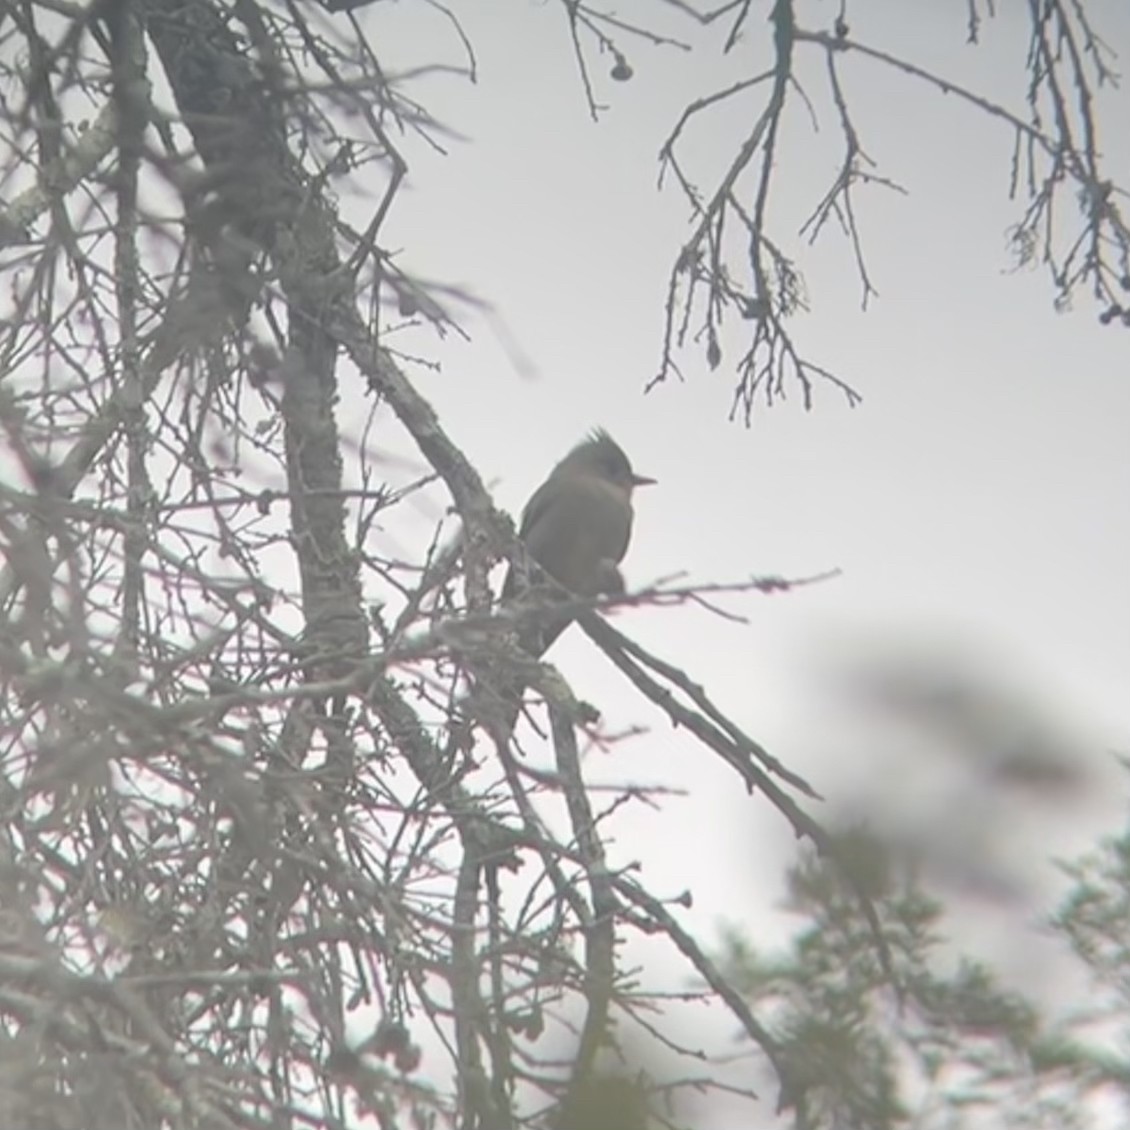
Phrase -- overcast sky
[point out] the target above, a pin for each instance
(976, 501)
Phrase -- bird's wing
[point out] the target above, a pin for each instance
(540, 501)
(535, 510)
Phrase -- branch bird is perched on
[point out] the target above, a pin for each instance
(576, 528)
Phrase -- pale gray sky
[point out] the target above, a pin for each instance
(976, 501)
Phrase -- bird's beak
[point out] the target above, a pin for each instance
(642, 481)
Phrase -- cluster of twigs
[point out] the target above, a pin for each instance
(255, 873)
(736, 264)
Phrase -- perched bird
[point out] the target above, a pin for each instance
(576, 529)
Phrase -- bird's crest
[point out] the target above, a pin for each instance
(601, 445)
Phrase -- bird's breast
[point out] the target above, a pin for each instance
(585, 525)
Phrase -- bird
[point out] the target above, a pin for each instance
(575, 529)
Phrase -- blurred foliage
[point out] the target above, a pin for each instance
(947, 1045)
